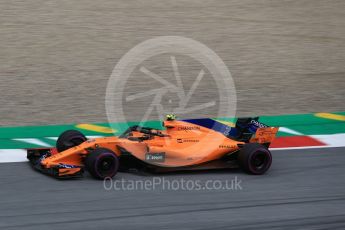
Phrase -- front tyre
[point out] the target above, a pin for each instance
(255, 158)
(102, 163)
(69, 139)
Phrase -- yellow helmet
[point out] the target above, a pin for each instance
(170, 117)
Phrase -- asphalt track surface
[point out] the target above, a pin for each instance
(56, 56)
(303, 190)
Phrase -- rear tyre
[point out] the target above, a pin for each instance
(102, 163)
(69, 139)
(255, 158)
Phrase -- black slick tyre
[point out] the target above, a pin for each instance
(69, 139)
(102, 163)
(255, 158)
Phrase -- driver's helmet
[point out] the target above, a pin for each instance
(170, 117)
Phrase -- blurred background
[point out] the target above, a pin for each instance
(57, 56)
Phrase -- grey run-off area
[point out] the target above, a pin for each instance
(56, 56)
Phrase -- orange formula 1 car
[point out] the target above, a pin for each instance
(182, 145)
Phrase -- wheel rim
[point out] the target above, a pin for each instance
(106, 166)
(260, 160)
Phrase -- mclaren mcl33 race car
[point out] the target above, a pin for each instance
(181, 145)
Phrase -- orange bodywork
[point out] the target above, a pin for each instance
(181, 143)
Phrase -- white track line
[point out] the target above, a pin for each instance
(287, 130)
(34, 141)
(306, 147)
(332, 141)
(12, 155)
(335, 140)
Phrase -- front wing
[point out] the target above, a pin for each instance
(35, 157)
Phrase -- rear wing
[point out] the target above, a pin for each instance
(264, 135)
(251, 130)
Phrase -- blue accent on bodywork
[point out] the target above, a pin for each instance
(252, 128)
(254, 125)
(44, 156)
(214, 125)
(67, 166)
